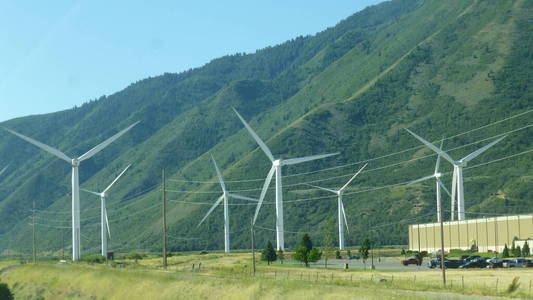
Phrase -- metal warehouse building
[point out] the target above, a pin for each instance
(489, 234)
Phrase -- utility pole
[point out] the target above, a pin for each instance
(442, 266)
(253, 245)
(33, 232)
(62, 245)
(164, 223)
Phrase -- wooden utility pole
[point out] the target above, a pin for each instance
(442, 265)
(62, 245)
(33, 232)
(164, 223)
(253, 246)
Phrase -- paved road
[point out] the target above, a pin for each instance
(383, 263)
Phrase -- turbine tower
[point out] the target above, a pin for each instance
(457, 179)
(438, 184)
(225, 196)
(103, 211)
(341, 213)
(276, 168)
(75, 163)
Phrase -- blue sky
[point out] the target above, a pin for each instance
(57, 54)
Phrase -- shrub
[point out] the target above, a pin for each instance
(135, 256)
(269, 254)
(338, 254)
(93, 259)
(5, 292)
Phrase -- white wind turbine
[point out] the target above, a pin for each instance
(457, 179)
(341, 213)
(276, 168)
(438, 184)
(75, 163)
(103, 211)
(224, 197)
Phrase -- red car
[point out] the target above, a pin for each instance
(410, 261)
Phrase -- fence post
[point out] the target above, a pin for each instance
(530, 287)
(463, 282)
(414, 279)
(497, 280)
(351, 279)
(316, 276)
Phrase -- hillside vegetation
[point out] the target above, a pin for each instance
(440, 68)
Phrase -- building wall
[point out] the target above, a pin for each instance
(489, 234)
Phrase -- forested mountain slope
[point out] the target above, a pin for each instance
(440, 68)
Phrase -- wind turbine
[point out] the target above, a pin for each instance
(276, 168)
(341, 213)
(225, 196)
(75, 163)
(457, 179)
(103, 211)
(438, 184)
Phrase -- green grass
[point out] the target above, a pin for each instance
(228, 277)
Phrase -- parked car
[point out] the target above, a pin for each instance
(410, 261)
(448, 263)
(355, 257)
(516, 263)
(495, 262)
(479, 263)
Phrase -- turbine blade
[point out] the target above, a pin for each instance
(476, 153)
(219, 175)
(116, 179)
(293, 161)
(236, 196)
(3, 170)
(107, 223)
(94, 193)
(263, 192)
(437, 164)
(106, 143)
(353, 177)
(345, 220)
(325, 189)
(421, 179)
(44, 147)
(211, 209)
(444, 187)
(260, 142)
(432, 147)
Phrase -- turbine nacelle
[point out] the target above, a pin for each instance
(75, 162)
(277, 163)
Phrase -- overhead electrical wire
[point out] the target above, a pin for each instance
(365, 171)
(371, 159)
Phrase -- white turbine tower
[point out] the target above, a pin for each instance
(341, 213)
(225, 196)
(457, 179)
(103, 211)
(276, 168)
(438, 184)
(75, 163)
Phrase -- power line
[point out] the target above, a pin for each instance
(375, 158)
(351, 174)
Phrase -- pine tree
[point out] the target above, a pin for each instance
(268, 254)
(525, 249)
(305, 252)
(505, 252)
(517, 252)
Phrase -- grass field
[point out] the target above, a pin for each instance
(228, 276)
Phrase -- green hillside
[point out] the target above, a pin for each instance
(440, 68)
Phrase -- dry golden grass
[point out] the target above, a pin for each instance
(227, 276)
